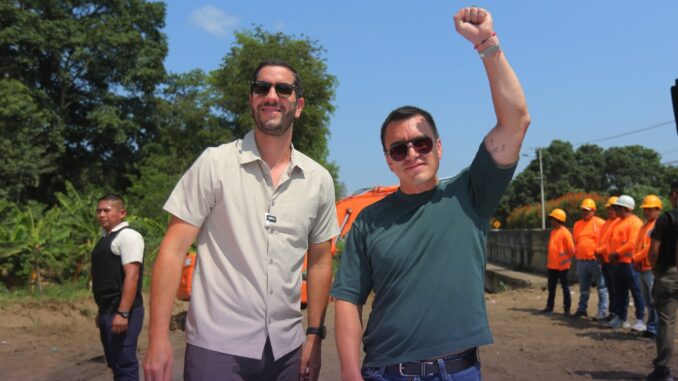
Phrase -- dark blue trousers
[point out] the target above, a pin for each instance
(623, 282)
(121, 350)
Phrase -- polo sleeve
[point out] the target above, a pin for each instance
(325, 225)
(194, 195)
(487, 182)
(353, 281)
(660, 227)
(131, 246)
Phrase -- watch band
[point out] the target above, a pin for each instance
(124, 314)
(320, 331)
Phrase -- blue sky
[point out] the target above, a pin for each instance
(590, 70)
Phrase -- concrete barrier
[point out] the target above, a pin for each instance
(517, 258)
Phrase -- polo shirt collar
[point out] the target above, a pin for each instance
(117, 227)
(250, 153)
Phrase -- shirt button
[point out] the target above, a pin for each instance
(270, 261)
(270, 292)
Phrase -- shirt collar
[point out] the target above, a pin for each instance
(117, 227)
(250, 153)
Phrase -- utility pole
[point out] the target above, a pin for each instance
(541, 184)
(674, 97)
(541, 178)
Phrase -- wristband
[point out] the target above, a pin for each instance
(320, 331)
(491, 51)
(485, 40)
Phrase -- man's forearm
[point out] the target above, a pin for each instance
(319, 283)
(348, 332)
(129, 286)
(164, 284)
(510, 107)
(167, 275)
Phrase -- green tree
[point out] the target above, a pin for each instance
(589, 174)
(632, 165)
(92, 67)
(232, 79)
(28, 147)
(187, 124)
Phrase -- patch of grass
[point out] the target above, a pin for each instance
(51, 292)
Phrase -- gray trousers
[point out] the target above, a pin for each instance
(665, 296)
(202, 364)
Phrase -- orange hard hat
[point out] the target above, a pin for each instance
(651, 201)
(611, 201)
(558, 214)
(588, 203)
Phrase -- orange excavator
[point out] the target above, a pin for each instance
(347, 211)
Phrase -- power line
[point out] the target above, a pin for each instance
(632, 132)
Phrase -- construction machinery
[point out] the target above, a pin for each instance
(348, 209)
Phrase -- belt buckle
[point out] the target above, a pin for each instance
(401, 366)
(423, 368)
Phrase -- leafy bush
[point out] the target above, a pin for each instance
(529, 216)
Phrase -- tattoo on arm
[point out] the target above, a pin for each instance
(496, 148)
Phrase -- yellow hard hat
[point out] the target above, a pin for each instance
(651, 201)
(588, 204)
(611, 201)
(558, 214)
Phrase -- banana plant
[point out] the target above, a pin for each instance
(34, 245)
(78, 219)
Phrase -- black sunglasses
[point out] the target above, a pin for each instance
(422, 146)
(284, 90)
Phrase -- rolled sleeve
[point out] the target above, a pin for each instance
(193, 197)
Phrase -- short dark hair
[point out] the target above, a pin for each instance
(278, 62)
(406, 112)
(112, 197)
(674, 186)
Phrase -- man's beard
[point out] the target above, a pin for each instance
(279, 129)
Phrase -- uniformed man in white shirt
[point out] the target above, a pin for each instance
(117, 274)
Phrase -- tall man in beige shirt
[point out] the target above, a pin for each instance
(254, 207)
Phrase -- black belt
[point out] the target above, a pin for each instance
(453, 364)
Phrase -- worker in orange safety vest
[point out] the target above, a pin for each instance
(558, 260)
(601, 252)
(620, 253)
(586, 233)
(652, 207)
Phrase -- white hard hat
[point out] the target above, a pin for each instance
(626, 201)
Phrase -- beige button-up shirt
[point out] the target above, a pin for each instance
(251, 245)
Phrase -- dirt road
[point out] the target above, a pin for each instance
(51, 341)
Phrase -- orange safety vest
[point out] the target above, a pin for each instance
(586, 235)
(642, 250)
(561, 249)
(604, 240)
(623, 237)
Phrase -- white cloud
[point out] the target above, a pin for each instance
(213, 20)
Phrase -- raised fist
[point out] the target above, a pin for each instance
(474, 23)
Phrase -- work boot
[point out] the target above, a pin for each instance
(578, 314)
(661, 373)
(601, 316)
(615, 323)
